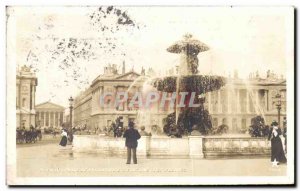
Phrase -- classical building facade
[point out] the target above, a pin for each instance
(240, 100)
(234, 104)
(26, 83)
(87, 109)
(49, 115)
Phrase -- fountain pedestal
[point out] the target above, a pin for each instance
(196, 146)
(143, 146)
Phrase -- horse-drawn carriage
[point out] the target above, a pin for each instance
(52, 131)
(28, 136)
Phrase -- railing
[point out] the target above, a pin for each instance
(230, 147)
(192, 146)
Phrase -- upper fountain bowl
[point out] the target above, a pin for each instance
(188, 45)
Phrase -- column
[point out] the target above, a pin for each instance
(98, 94)
(33, 97)
(112, 107)
(58, 120)
(49, 118)
(57, 124)
(37, 116)
(54, 119)
(19, 97)
(266, 100)
(247, 102)
(30, 100)
(44, 114)
(257, 102)
(228, 102)
(40, 118)
(219, 101)
(209, 102)
(238, 108)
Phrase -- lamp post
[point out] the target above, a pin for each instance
(278, 103)
(71, 109)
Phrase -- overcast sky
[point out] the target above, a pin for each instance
(242, 39)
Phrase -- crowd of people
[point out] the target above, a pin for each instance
(32, 135)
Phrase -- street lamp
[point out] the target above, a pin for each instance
(71, 108)
(278, 102)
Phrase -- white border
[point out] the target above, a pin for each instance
(138, 180)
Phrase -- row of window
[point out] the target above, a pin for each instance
(234, 123)
(23, 103)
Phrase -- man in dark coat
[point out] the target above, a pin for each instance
(131, 135)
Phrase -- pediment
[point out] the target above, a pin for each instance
(49, 105)
(128, 76)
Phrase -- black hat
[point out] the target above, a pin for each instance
(131, 124)
(274, 123)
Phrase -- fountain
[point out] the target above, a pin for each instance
(179, 121)
(183, 119)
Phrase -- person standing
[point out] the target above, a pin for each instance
(285, 134)
(285, 140)
(277, 152)
(131, 135)
(64, 139)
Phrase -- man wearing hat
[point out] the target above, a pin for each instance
(131, 135)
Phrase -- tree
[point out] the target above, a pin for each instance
(258, 127)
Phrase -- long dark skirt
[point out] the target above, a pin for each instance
(63, 141)
(277, 150)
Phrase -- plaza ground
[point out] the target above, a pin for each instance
(47, 158)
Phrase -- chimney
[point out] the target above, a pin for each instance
(123, 68)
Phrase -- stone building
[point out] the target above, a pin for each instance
(87, 110)
(26, 83)
(234, 104)
(49, 114)
(240, 100)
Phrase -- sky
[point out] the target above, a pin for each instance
(242, 39)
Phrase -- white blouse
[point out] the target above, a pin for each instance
(275, 133)
(64, 134)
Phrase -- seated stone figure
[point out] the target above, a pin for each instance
(143, 132)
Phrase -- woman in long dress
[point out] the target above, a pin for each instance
(277, 152)
(64, 139)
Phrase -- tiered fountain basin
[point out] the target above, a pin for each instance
(185, 147)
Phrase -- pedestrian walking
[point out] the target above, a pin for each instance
(131, 135)
(64, 139)
(277, 152)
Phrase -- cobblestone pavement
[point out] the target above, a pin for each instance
(49, 159)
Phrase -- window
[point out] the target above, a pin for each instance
(234, 125)
(215, 122)
(224, 121)
(23, 102)
(244, 125)
(224, 98)
(243, 100)
(24, 88)
(108, 123)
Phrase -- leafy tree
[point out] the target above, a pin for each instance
(258, 127)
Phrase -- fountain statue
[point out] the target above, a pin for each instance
(185, 119)
(188, 48)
